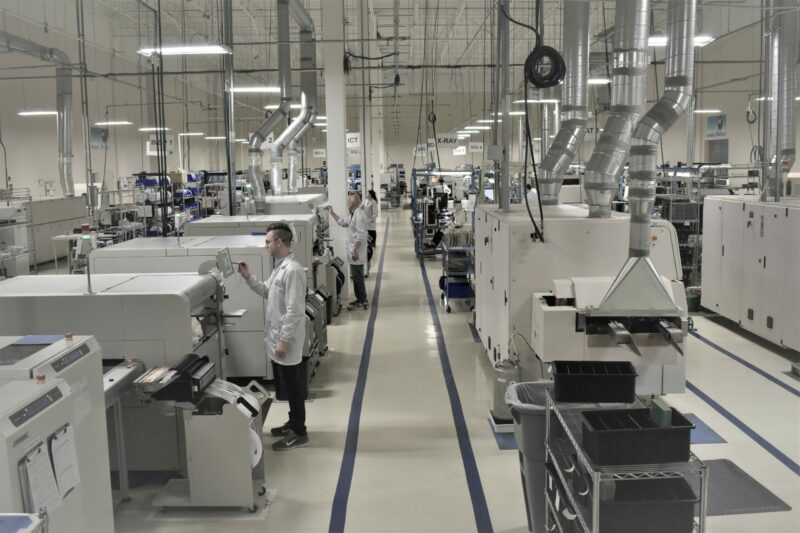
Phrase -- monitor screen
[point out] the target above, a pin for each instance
(224, 263)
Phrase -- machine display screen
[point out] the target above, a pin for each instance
(14, 353)
(66, 360)
(35, 407)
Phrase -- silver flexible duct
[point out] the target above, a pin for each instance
(573, 102)
(63, 99)
(662, 116)
(783, 70)
(627, 103)
(280, 114)
(293, 156)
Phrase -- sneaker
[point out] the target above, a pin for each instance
(353, 303)
(291, 441)
(281, 431)
(365, 305)
(353, 306)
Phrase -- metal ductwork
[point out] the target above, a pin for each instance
(12, 43)
(309, 106)
(782, 83)
(280, 114)
(627, 103)
(677, 98)
(573, 103)
(638, 287)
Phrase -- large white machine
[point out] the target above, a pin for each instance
(51, 217)
(291, 204)
(510, 267)
(157, 318)
(78, 362)
(750, 265)
(244, 336)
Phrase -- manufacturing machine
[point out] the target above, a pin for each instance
(510, 267)
(157, 318)
(38, 455)
(753, 246)
(290, 204)
(222, 430)
(244, 336)
(76, 361)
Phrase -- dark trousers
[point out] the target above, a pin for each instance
(373, 239)
(357, 273)
(293, 380)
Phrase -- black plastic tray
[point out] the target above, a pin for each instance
(630, 437)
(594, 381)
(664, 505)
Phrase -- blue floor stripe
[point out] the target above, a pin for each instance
(342, 495)
(475, 335)
(776, 453)
(480, 509)
(749, 365)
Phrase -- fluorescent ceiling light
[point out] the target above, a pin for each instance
(706, 111)
(275, 106)
(478, 128)
(702, 40)
(203, 49)
(762, 98)
(324, 131)
(240, 140)
(191, 134)
(516, 113)
(256, 89)
(542, 101)
(114, 123)
(657, 40)
(215, 138)
(489, 120)
(153, 129)
(599, 81)
(321, 125)
(464, 132)
(322, 118)
(537, 138)
(36, 113)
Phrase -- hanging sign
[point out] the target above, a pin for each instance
(353, 140)
(421, 150)
(354, 151)
(319, 153)
(99, 138)
(447, 141)
(461, 150)
(476, 148)
(152, 148)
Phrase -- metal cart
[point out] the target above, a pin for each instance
(458, 269)
(564, 452)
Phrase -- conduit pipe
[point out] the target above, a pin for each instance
(13, 43)
(627, 103)
(575, 29)
(677, 98)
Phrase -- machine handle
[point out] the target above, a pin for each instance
(243, 402)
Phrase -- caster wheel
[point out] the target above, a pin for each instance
(448, 309)
(262, 490)
(253, 509)
(441, 297)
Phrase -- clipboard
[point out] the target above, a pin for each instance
(61, 447)
(37, 481)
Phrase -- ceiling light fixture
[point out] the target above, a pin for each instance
(702, 40)
(191, 134)
(542, 101)
(203, 49)
(153, 129)
(42, 113)
(477, 128)
(114, 123)
(599, 81)
(276, 106)
(215, 138)
(706, 111)
(256, 89)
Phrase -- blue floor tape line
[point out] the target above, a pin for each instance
(475, 336)
(342, 495)
(483, 521)
(776, 453)
(748, 364)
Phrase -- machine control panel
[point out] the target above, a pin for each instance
(35, 407)
(64, 361)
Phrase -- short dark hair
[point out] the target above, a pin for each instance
(282, 232)
(371, 194)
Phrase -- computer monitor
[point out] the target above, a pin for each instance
(224, 263)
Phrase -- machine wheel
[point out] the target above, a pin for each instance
(448, 309)
(253, 509)
(262, 490)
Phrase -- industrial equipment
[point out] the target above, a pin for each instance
(76, 361)
(754, 247)
(222, 431)
(157, 318)
(292, 204)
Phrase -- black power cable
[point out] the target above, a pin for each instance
(544, 66)
(538, 232)
(432, 120)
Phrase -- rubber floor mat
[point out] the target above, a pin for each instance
(731, 491)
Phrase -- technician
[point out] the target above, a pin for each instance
(285, 292)
(370, 207)
(356, 223)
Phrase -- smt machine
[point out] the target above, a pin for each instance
(78, 362)
(157, 318)
(290, 204)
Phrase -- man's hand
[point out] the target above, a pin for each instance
(244, 270)
(281, 348)
(355, 254)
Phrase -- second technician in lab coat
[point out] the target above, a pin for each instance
(285, 331)
(356, 223)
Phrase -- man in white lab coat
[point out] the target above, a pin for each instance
(356, 223)
(285, 292)
(370, 207)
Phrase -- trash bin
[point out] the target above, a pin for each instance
(528, 410)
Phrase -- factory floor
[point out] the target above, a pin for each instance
(400, 439)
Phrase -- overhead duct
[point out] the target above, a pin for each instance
(12, 43)
(282, 112)
(573, 103)
(639, 283)
(783, 70)
(308, 88)
(627, 103)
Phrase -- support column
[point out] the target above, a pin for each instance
(366, 104)
(336, 111)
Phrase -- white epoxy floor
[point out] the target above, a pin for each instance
(408, 474)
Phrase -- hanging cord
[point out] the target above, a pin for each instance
(432, 120)
(541, 56)
(538, 233)
(756, 150)
(5, 156)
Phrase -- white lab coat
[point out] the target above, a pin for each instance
(285, 291)
(356, 224)
(370, 208)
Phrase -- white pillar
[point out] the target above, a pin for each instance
(378, 151)
(335, 110)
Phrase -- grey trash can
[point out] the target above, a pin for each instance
(528, 410)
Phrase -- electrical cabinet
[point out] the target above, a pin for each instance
(751, 253)
(54, 216)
